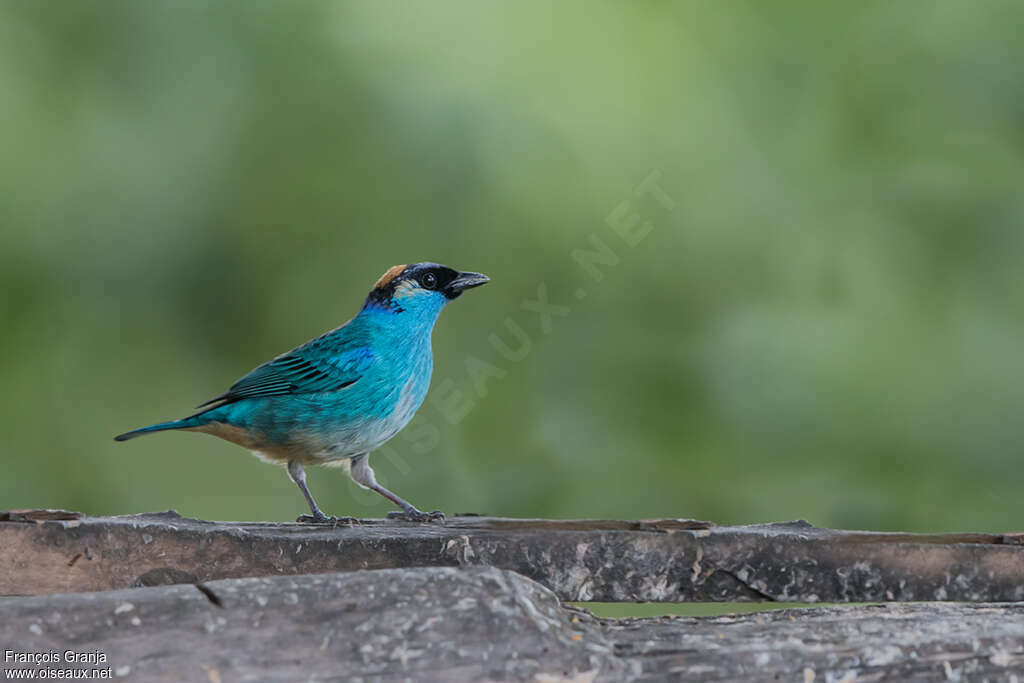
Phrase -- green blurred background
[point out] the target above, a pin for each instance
(826, 324)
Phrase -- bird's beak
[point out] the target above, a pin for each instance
(463, 282)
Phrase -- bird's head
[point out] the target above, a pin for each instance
(420, 288)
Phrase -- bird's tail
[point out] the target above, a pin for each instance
(186, 423)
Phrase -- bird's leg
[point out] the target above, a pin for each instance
(298, 475)
(362, 474)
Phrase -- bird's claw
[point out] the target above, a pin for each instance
(417, 516)
(324, 519)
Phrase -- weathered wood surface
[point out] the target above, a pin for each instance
(654, 560)
(485, 624)
(891, 642)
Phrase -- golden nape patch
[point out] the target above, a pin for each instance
(389, 275)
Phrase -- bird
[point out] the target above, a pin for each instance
(338, 397)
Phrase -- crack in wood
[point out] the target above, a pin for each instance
(210, 595)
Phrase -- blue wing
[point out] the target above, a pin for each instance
(327, 363)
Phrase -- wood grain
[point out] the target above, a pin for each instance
(485, 624)
(601, 560)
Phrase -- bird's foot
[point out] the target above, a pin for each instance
(324, 519)
(417, 516)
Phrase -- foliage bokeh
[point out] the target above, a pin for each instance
(827, 325)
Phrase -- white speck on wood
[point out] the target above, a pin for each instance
(883, 656)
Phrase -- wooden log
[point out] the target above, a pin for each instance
(485, 624)
(599, 560)
(891, 642)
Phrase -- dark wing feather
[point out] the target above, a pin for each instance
(309, 369)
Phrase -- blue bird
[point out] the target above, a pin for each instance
(338, 397)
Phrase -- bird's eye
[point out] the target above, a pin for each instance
(429, 281)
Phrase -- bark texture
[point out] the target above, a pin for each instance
(654, 561)
(485, 624)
